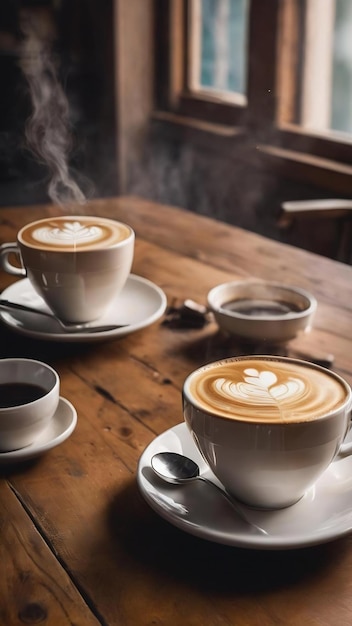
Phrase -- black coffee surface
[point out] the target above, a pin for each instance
(257, 308)
(13, 394)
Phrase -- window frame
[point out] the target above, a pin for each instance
(273, 103)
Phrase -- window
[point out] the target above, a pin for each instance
(327, 84)
(341, 86)
(218, 47)
(281, 68)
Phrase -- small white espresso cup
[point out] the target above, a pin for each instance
(77, 264)
(29, 396)
(267, 426)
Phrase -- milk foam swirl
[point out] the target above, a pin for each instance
(74, 233)
(268, 391)
(70, 233)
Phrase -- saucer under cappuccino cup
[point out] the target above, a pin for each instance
(77, 264)
(267, 426)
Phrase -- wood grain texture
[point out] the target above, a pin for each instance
(34, 587)
(74, 520)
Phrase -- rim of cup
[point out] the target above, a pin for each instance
(346, 402)
(77, 217)
(23, 380)
(214, 297)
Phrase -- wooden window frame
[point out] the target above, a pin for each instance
(270, 117)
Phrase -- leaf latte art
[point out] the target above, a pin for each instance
(266, 390)
(68, 234)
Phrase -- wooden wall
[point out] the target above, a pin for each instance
(122, 147)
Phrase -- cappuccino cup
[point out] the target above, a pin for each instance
(77, 264)
(267, 426)
(29, 396)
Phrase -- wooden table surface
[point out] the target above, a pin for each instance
(79, 544)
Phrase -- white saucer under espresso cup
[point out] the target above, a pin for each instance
(267, 426)
(77, 264)
(29, 397)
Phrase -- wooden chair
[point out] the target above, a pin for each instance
(336, 209)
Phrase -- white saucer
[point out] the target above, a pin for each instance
(140, 303)
(323, 514)
(58, 430)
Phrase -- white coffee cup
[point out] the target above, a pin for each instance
(267, 426)
(77, 264)
(261, 310)
(29, 396)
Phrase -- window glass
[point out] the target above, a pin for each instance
(219, 45)
(327, 68)
(341, 96)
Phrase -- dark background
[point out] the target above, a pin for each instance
(82, 48)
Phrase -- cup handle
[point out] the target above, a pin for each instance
(345, 448)
(5, 250)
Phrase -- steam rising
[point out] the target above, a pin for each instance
(48, 128)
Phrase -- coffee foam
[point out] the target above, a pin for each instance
(71, 233)
(265, 390)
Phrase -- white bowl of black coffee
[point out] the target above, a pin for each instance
(258, 310)
(29, 397)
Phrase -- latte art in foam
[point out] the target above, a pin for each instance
(266, 390)
(74, 233)
(70, 233)
(262, 387)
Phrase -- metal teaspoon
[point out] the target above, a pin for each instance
(178, 469)
(7, 305)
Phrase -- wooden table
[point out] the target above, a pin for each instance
(79, 544)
